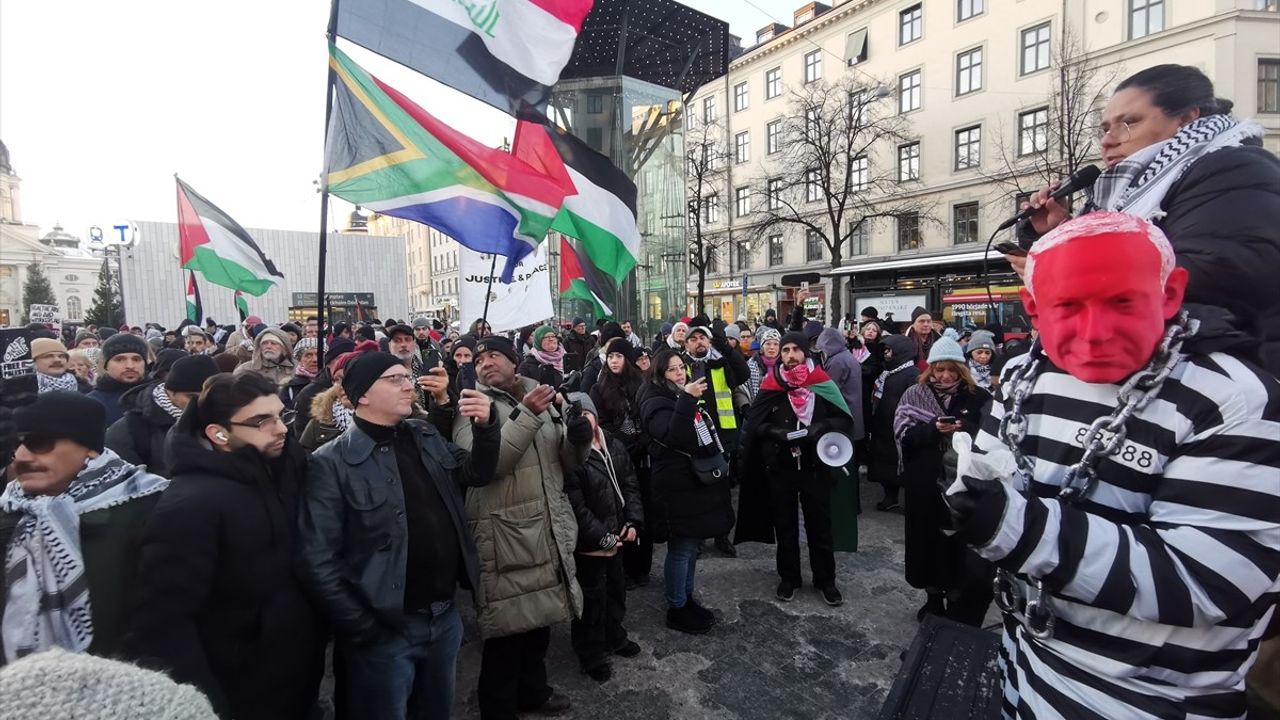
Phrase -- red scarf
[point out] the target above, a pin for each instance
(797, 383)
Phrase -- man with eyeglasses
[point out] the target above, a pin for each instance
(70, 526)
(385, 542)
(152, 409)
(219, 603)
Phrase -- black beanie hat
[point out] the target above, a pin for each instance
(798, 338)
(918, 312)
(165, 360)
(338, 347)
(64, 414)
(871, 312)
(122, 343)
(497, 343)
(467, 341)
(189, 373)
(363, 371)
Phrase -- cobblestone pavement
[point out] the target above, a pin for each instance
(765, 659)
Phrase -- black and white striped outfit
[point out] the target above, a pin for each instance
(1162, 580)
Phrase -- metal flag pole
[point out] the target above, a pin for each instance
(330, 35)
(488, 291)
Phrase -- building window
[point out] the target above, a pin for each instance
(911, 24)
(855, 47)
(709, 109)
(909, 162)
(775, 250)
(595, 104)
(741, 147)
(965, 222)
(744, 255)
(742, 201)
(1035, 48)
(711, 209)
(1033, 131)
(909, 91)
(968, 147)
(1267, 5)
(73, 309)
(773, 137)
(595, 138)
(969, 71)
(812, 186)
(812, 123)
(859, 238)
(813, 66)
(1268, 86)
(1145, 17)
(691, 118)
(909, 231)
(860, 173)
(772, 83)
(813, 246)
(740, 97)
(966, 9)
(773, 193)
(1018, 199)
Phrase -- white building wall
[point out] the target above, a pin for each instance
(155, 284)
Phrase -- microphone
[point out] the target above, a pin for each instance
(1079, 180)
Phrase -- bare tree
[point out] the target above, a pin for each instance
(839, 169)
(1038, 153)
(706, 168)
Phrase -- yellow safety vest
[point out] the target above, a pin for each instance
(725, 412)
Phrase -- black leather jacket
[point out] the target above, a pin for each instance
(354, 547)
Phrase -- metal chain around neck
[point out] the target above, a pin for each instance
(1106, 436)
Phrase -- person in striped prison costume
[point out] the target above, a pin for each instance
(1127, 486)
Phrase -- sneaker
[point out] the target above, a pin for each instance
(557, 704)
(686, 620)
(726, 548)
(786, 591)
(701, 611)
(600, 673)
(629, 649)
(831, 596)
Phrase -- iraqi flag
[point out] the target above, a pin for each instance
(388, 155)
(580, 280)
(217, 247)
(507, 53)
(195, 309)
(600, 200)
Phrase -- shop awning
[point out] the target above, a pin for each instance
(913, 262)
(731, 290)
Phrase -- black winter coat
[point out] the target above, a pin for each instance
(293, 389)
(601, 505)
(108, 391)
(580, 345)
(884, 451)
(541, 372)
(220, 601)
(934, 559)
(681, 507)
(139, 437)
(302, 402)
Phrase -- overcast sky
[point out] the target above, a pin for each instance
(102, 102)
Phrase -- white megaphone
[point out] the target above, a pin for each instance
(835, 449)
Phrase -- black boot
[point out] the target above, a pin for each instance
(725, 547)
(687, 620)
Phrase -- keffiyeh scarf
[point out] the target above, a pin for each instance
(342, 416)
(48, 595)
(801, 398)
(49, 383)
(1137, 185)
(162, 399)
(981, 374)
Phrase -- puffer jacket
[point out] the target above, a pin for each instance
(140, 436)
(321, 428)
(846, 373)
(603, 501)
(523, 525)
(280, 372)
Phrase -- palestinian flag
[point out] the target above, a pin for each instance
(507, 53)
(389, 155)
(195, 309)
(581, 281)
(818, 381)
(242, 306)
(600, 200)
(217, 247)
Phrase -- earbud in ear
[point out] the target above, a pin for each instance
(222, 437)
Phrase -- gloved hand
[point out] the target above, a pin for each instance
(977, 510)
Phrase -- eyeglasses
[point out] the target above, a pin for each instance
(36, 443)
(1121, 132)
(263, 421)
(398, 379)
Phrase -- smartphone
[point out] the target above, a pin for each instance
(1011, 248)
(467, 376)
(949, 419)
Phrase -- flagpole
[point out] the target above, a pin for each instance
(330, 34)
(488, 290)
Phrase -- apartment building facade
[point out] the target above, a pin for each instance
(432, 262)
(974, 79)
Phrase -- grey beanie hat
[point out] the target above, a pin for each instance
(584, 402)
(981, 340)
(61, 684)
